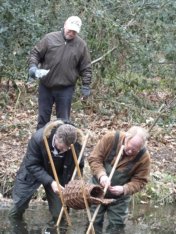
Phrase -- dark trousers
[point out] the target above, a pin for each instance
(61, 96)
(116, 213)
(53, 202)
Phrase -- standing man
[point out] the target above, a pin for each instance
(58, 60)
(131, 174)
(36, 168)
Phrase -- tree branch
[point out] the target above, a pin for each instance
(163, 108)
(104, 55)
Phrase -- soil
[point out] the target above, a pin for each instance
(18, 120)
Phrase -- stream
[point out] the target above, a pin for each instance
(143, 219)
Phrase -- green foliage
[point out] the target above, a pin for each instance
(142, 31)
(160, 190)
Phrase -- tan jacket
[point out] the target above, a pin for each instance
(139, 173)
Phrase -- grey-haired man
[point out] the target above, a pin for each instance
(36, 168)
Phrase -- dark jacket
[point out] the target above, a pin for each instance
(67, 60)
(36, 168)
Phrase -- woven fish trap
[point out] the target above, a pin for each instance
(74, 198)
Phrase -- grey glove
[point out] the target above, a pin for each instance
(85, 90)
(32, 71)
(36, 73)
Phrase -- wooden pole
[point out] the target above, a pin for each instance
(74, 174)
(106, 187)
(82, 181)
(48, 128)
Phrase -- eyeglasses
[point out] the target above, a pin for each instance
(62, 147)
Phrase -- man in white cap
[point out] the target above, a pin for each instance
(58, 59)
(72, 26)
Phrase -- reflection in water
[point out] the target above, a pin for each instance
(20, 227)
(143, 220)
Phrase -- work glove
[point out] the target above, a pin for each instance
(36, 73)
(32, 71)
(85, 90)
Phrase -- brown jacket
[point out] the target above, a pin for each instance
(67, 60)
(139, 173)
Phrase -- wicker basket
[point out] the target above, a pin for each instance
(73, 194)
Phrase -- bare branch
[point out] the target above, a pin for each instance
(163, 108)
(104, 55)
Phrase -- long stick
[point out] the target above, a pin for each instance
(74, 174)
(81, 154)
(106, 187)
(79, 174)
(47, 128)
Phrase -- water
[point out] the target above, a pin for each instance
(143, 219)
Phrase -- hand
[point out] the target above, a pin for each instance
(85, 91)
(104, 181)
(41, 73)
(55, 187)
(116, 190)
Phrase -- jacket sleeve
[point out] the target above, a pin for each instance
(85, 67)
(140, 176)
(38, 52)
(34, 162)
(99, 154)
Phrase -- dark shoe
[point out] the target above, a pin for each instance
(115, 229)
(18, 226)
(97, 228)
(52, 222)
(50, 230)
(15, 213)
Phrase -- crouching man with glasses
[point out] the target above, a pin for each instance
(36, 169)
